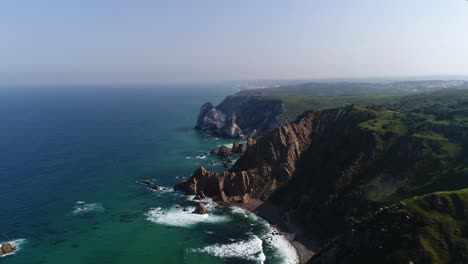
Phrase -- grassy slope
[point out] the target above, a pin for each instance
(425, 151)
(444, 238)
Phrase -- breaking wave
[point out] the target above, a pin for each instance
(250, 250)
(82, 207)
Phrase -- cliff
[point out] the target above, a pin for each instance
(239, 116)
(339, 170)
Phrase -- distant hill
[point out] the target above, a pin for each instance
(352, 88)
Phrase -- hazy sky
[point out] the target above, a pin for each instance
(209, 40)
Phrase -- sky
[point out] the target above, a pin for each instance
(151, 41)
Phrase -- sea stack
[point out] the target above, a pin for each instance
(200, 209)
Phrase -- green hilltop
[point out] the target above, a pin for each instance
(410, 204)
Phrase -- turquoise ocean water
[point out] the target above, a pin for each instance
(69, 161)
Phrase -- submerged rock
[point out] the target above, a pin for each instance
(214, 151)
(145, 182)
(155, 187)
(200, 209)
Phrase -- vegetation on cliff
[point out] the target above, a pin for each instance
(376, 182)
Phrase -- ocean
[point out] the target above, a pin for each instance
(70, 158)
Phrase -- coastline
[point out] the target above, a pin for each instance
(305, 247)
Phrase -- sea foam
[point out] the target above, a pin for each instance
(17, 243)
(283, 248)
(250, 250)
(229, 145)
(84, 208)
(177, 217)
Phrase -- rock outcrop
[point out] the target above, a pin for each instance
(250, 142)
(201, 195)
(212, 184)
(200, 208)
(268, 163)
(231, 129)
(245, 198)
(239, 116)
(214, 151)
(209, 118)
(237, 148)
(365, 179)
(224, 151)
(7, 248)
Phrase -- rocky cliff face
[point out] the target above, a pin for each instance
(344, 174)
(239, 116)
(273, 160)
(209, 118)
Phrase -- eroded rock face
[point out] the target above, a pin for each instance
(238, 116)
(212, 184)
(250, 142)
(201, 194)
(209, 118)
(254, 114)
(272, 160)
(237, 148)
(231, 129)
(200, 209)
(224, 151)
(223, 197)
(245, 198)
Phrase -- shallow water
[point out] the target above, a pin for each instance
(69, 164)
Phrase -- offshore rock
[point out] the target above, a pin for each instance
(200, 209)
(7, 248)
(214, 151)
(224, 151)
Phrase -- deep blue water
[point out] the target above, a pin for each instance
(62, 145)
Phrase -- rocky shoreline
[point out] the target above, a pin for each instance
(203, 183)
(305, 247)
